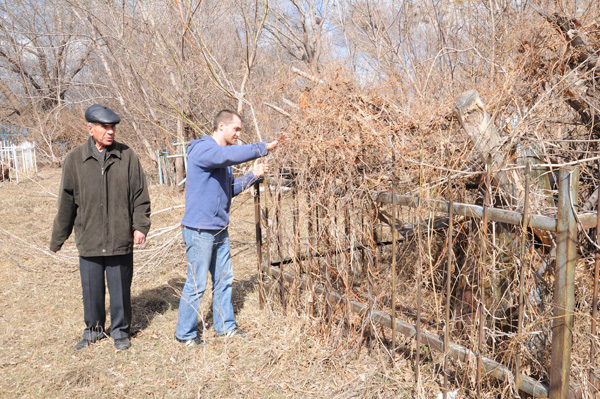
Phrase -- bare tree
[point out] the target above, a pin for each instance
(298, 27)
(43, 51)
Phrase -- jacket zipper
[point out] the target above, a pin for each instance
(105, 207)
(105, 201)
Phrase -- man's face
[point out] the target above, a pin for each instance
(103, 135)
(231, 131)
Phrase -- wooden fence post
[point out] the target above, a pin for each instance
(564, 298)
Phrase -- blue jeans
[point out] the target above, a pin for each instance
(207, 250)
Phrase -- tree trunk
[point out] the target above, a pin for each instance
(478, 124)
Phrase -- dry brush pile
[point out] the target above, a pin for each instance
(346, 142)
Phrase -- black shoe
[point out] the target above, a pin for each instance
(84, 343)
(122, 344)
(196, 341)
(236, 332)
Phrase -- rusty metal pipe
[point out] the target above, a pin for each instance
(393, 261)
(482, 271)
(522, 273)
(564, 285)
(279, 250)
(257, 222)
(475, 211)
(268, 240)
(419, 270)
(449, 272)
(593, 378)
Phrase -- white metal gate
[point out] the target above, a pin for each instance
(17, 161)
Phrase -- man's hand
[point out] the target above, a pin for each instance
(273, 144)
(139, 237)
(260, 168)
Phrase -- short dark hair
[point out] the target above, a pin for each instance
(225, 116)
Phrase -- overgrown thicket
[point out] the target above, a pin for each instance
(365, 91)
(348, 140)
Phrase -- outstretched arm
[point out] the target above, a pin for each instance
(211, 155)
(259, 169)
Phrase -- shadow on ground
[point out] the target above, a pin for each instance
(241, 289)
(159, 300)
(155, 301)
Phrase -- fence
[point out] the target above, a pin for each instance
(17, 161)
(496, 305)
(17, 156)
(166, 168)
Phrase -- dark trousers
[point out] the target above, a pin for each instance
(119, 273)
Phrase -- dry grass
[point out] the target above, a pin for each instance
(42, 317)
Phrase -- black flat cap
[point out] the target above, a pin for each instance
(100, 114)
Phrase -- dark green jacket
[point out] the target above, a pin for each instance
(104, 205)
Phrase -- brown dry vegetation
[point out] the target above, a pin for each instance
(381, 119)
(347, 141)
(42, 317)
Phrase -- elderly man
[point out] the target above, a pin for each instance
(209, 188)
(104, 197)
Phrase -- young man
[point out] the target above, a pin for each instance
(103, 195)
(209, 188)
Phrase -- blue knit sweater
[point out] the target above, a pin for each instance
(210, 184)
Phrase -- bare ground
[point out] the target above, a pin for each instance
(41, 318)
